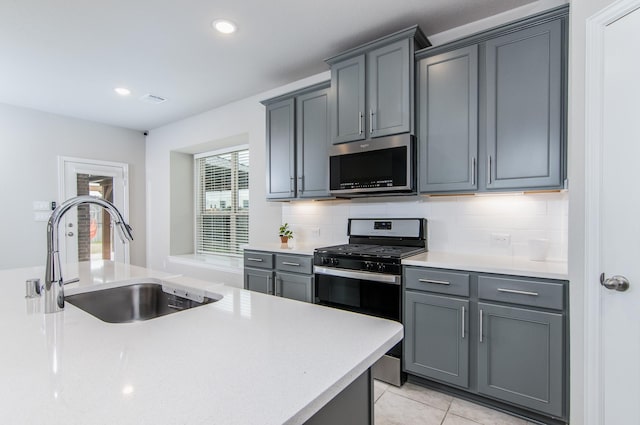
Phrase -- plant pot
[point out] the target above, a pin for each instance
(284, 239)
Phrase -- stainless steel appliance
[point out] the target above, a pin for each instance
(379, 166)
(365, 275)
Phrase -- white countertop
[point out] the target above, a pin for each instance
(247, 359)
(302, 249)
(490, 264)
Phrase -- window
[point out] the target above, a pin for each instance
(222, 201)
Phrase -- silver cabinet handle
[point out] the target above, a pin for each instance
(286, 263)
(514, 291)
(371, 121)
(462, 322)
(301, 184)
(270, 284)
(360, 123)
(292, 182)
(278, 290)
(473, 171)
(259, 260)
(619, 283)
(437, 282)
(480, 325)
(489, 170)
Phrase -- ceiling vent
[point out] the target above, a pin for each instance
(152, 98)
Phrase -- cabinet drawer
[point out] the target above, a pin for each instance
(442, 282)
(262, 260)
(525, 292)
(294, 263)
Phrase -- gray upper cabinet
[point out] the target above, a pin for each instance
(298, 143)
(437, 338)
(524, 113)
(389, 105)
(312, 143)
(281, 149)
(448, 121)
(372, 87)
(347, 108)
(520, 357)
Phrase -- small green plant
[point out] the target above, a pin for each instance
(285, 232)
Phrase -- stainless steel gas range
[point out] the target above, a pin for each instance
(365, 275)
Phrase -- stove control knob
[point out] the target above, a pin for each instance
(368, 265)
(334, 262)
(325, 260)
(381, 267)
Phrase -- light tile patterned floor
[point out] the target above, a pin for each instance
(414, 405)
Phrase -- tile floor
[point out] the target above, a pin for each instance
(414, 405)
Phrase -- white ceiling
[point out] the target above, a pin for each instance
(66, 56)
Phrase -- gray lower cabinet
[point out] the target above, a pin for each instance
(436, 337)
(258, 280)
(282, 275)
(524, 112)
(448, 121)
(294, 286)
(520, 357)
(501, 337)
(298, 140)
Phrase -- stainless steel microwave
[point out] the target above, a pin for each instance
(381, 166)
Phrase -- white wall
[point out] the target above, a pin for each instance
(31, 142)
(455, 223)
(217, 128)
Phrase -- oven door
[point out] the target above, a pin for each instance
(375, 294)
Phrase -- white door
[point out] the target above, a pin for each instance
(94, 237)
(615, 150)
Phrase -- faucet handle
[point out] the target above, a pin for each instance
(74, 280)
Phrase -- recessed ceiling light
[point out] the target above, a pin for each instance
(122, 91)
(224, 26)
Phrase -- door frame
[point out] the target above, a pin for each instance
(124, 167)
(594, 145)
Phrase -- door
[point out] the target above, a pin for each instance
(448, 120)
(281, 150)
(520, 357)
(313, 140)
(347, 100)
(524, 113)
(437, 337)
(294, 286)
(389, 86)
(258, 280)
(612, 211)
(88, 233)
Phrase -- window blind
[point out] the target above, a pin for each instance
(222, 210)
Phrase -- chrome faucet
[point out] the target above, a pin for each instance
(53, 286)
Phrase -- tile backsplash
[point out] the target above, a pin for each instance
(464, 224)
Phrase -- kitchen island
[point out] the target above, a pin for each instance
(247, 359)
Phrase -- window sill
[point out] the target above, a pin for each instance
(214, 262)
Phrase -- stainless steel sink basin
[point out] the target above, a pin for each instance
(136, 302)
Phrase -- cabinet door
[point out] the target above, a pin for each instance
(258, 280)
(281, 150)
(389, 90)
(313, 142)
(437, 337)
(520, 357)
(524, 113)
(448, 121)
(294, 286)
(347, 100)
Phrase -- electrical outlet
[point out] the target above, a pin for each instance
(315, 232)
(500, 239)
(41, 205)
(41, 216)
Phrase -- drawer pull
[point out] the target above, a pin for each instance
(514, 291)
(286, 263)
(259, 260)
(437, 282)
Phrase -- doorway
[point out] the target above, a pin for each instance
(88, 230)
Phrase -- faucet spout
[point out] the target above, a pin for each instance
(53, 282)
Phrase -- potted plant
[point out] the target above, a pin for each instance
(285, 233)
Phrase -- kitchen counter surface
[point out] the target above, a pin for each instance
(490, 264)
(302, 249)
(247, 359)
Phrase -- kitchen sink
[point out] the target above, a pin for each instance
(136, 302)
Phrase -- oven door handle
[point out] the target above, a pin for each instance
(376, 277)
